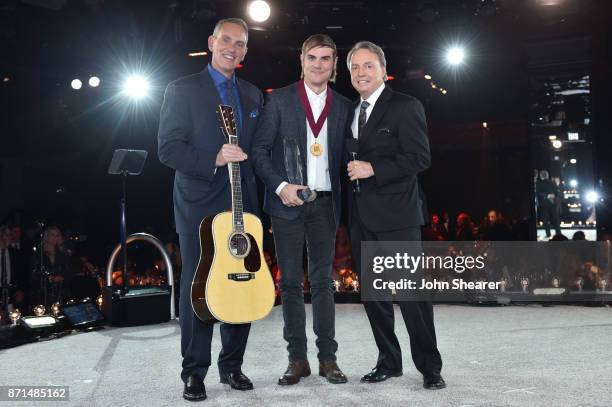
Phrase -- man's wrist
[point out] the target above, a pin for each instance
(280, 187)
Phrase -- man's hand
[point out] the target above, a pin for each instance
(289, 195)
(359, 170)
(230, 153)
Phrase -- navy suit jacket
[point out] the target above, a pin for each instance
(394, 140)
(189, 139)
(284, 118)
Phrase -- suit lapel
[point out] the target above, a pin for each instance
(300, 123)
(210, 91)
(377, 113)
(332, 126)
(247, 106)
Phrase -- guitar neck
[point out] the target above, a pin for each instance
(235, 182)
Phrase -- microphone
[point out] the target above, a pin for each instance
(352, 145)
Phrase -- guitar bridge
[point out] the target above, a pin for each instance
(241, 276)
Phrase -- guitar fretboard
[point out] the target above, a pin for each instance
(234, 169)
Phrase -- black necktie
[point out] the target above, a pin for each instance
(3, 271)
(362, 117)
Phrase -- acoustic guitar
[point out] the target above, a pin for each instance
(232, 283)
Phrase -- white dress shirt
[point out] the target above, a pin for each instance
(372, 101)
(317, 166)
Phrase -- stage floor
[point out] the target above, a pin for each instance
(493, 356)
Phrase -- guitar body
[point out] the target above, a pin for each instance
(231, 286)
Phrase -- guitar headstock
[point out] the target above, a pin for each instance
(227, 123)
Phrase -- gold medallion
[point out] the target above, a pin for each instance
(316, 149)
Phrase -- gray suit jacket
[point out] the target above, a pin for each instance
(189, 139)
(283, 118)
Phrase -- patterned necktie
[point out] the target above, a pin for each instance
(362, 117)
(231, 100)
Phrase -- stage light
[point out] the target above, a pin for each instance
(15, 315)
(94, 81)
(39, 310)
(390, 77)
(56, 309)
(573, 136)
(592, 197)
(99, 301)
(548, 3)
(484, 125)
(336, 285)
(573, 161)
(259, 11)
(573, 183)
(455, 55)
(444, 91)
(433, 85)
(76, 84)
(428, 77)
(557, 143)
(198, 54)
(6, 79)
(136, 87)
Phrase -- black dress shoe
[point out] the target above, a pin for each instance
(380, 375)
(434, 383)
(330, 370)
(237, 380)
(295, 371)
(194, 389)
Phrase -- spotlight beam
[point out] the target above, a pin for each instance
(455, 56)
(136, 87)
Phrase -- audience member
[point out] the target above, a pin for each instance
(435, 231)
(12, 292)
(54, 276)
(465, 228)
(493, 228)
(547, 193)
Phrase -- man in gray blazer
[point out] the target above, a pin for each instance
(297, 152)
(191, 143)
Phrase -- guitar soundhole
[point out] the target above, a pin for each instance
(239, 245)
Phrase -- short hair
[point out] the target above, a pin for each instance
(233, 20)
(318, 41)
(370, 46)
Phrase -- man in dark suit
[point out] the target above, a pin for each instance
(11, 276)
(392, 149)
(191, 143)
(299, 145)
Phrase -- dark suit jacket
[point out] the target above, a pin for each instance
(284, 118)
(189, 139)
(395, 142)
(19, 271)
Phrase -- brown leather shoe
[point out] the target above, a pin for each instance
(330, 370)
(295, 371)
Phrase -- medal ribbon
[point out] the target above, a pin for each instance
(318, 125)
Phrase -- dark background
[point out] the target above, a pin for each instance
(56, 143)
